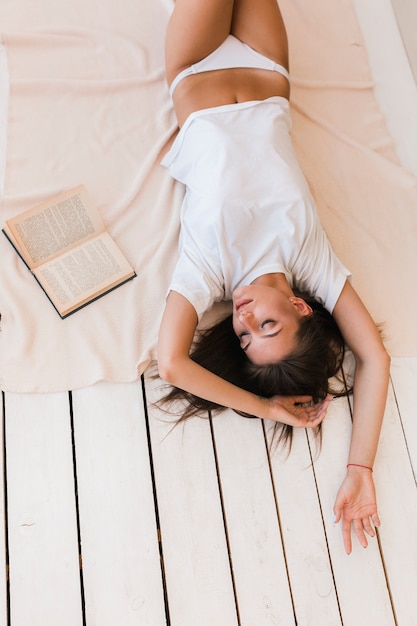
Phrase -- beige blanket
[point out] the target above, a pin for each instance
(88, 104)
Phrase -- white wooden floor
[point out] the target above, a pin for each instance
(111, 520)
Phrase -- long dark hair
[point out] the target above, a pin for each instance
(308, 370)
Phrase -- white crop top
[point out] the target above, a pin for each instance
(247, 209)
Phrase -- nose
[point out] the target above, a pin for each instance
(248, 320)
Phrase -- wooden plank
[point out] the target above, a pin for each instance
(3, 530)
(199, 581)
(360, 578)
(121, 564)
(43, 542)
(262, 588)
(309, 566)
(397, 496)
(404, 378)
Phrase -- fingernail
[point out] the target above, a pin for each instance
(334, 519)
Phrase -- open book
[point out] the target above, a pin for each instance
(64, 243)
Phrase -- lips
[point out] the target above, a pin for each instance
(241, 304)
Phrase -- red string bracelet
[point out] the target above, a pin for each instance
(357, 465)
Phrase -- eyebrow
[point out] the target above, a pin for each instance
(263, 337)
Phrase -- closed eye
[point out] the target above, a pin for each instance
(241, 336)
(266, 336)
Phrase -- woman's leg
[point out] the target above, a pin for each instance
(196, 28)
(259, 23)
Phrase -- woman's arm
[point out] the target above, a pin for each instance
(356, 501)
(176, 335)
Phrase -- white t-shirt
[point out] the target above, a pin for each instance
(247, 209)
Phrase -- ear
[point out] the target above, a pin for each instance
(302, 307)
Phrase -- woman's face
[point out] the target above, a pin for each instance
(266, 322)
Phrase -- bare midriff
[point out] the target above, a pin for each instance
(228, 86)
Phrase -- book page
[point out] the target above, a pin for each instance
(55, 226)
(84, 273)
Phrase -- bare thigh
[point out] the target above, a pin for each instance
(196, 28)
(259, 23)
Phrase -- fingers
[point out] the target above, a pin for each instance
(347, 540)
(327, 401)
(302, 400)
(369, 529)
(314, 421)
(376, 520)
(297, 411)
(317, 412)
(306, 417)
(360, 527)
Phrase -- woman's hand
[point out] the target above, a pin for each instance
(297, 411)
(356, 506)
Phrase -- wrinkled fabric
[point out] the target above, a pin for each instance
(88, 104)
